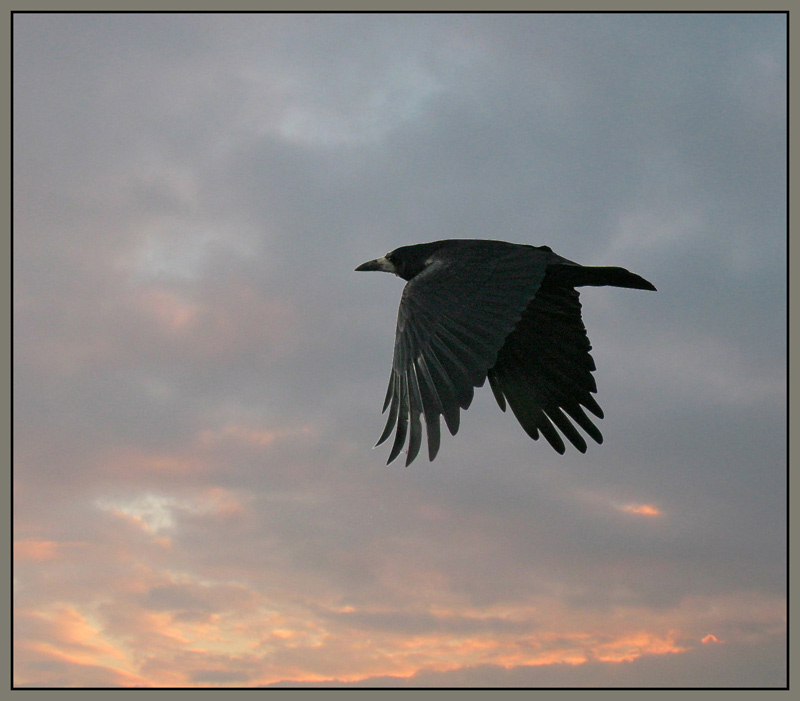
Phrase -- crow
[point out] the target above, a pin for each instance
(475, 308)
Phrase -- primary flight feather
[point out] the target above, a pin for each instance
(473, 309)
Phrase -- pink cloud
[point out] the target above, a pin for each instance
(35, 549)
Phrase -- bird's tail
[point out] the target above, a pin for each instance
(580, 275)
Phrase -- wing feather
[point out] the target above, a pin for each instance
(544, 370)
(415, 410)
(394, 408)
(431, 405)
(448, 394)
(402, 418)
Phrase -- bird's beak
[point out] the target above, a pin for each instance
(383, 264)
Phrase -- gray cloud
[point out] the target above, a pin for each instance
(199, 373)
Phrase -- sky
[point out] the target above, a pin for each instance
(199, 372)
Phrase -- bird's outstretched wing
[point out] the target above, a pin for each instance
(544, 369)
(454, 318)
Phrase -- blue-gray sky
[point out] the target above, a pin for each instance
(199, 372)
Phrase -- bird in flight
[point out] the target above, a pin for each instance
(473, 309)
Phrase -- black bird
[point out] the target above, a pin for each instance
(473, 309)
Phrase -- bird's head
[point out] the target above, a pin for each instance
(405, 262)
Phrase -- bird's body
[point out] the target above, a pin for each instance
(473, 309)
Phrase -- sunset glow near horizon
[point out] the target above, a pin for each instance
(199, 373)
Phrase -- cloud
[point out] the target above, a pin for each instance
(199, 373)
(685, 669)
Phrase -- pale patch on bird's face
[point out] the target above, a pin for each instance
(385, 264)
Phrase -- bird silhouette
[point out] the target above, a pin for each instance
(473, 309)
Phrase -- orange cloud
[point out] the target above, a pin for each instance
(296, 646)
(262, 636)
(641, 509)
(69, 638)
(632, 645)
